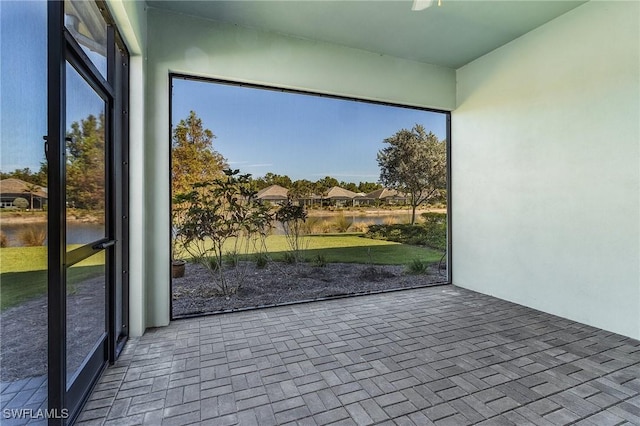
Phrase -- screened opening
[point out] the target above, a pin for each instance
(281, 197)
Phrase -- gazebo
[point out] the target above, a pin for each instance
(12, 188)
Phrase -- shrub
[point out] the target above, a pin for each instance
(319, 261)
(215, 212)
(361, 226)
(211, 263)
(21, 203)
(341, 223)
(417, 267)
(33, 236)
(389, 220)
(290, 258)
(436, 218)
(311, 225)
(232, 258)
(4, 240)
(432, 233)
(262, 259)
(292, 217)
(325, 227)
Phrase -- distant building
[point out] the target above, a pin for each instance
(384, 196)
(340, 196)
(274, 194)
(11, 188)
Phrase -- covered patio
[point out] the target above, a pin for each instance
(540, 319)
(441, 355)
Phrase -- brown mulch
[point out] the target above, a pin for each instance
(280, 283)
(23, 331)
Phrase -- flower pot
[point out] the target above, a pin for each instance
(177, 268)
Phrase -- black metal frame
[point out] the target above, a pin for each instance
(57, 212)
(62, 49)
(449, 205)
(447, 114)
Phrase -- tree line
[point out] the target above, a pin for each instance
(413, 162)
(195, 160)
(26, 174)
(85, 165)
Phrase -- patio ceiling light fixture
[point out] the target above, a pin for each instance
(423, 4)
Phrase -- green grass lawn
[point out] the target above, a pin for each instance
(24, 273)
(349, 248)
(352, 248)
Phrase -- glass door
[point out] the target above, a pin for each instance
(87, 153)
(88, 237)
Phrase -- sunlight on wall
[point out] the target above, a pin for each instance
(546, 173)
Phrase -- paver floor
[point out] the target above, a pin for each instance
(443, 355)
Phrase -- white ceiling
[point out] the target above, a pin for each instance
(450, 35)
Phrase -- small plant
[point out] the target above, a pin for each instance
(223, 210)
(417, 267)
(262, 259)
(21, 203)
(319, 261)
(325, 227)
(361, 226)
(341, 223)
(292, 217)
(311, 225)
(232, 258)
(33, 236)
(390, 220)
(4, 240)
(211, 263)
(291, 258)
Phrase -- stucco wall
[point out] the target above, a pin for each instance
(131, 20)
(546, 169)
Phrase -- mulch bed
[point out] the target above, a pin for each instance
(23, 331)
(280, 283)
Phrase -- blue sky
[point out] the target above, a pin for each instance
(23, 86)
(304, 137)
(258, 131)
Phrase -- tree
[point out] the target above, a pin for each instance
(414, 163)
(30, 189)
(218, 215)
(302, 188)
(86, 163)
(193, 157)
(38, 178)
(322, 186)
(368, 187)
(275, 179)
(349, 185)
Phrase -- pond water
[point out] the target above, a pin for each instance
(325, 221)
(77, 233)
(81, 233)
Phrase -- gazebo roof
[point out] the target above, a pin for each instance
(273, 192)
(18, 186)
(337, 192)
(380, 194)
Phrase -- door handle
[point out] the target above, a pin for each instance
(106, 244)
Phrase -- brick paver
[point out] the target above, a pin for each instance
(440, 355)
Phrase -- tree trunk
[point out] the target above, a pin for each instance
(413, 213)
